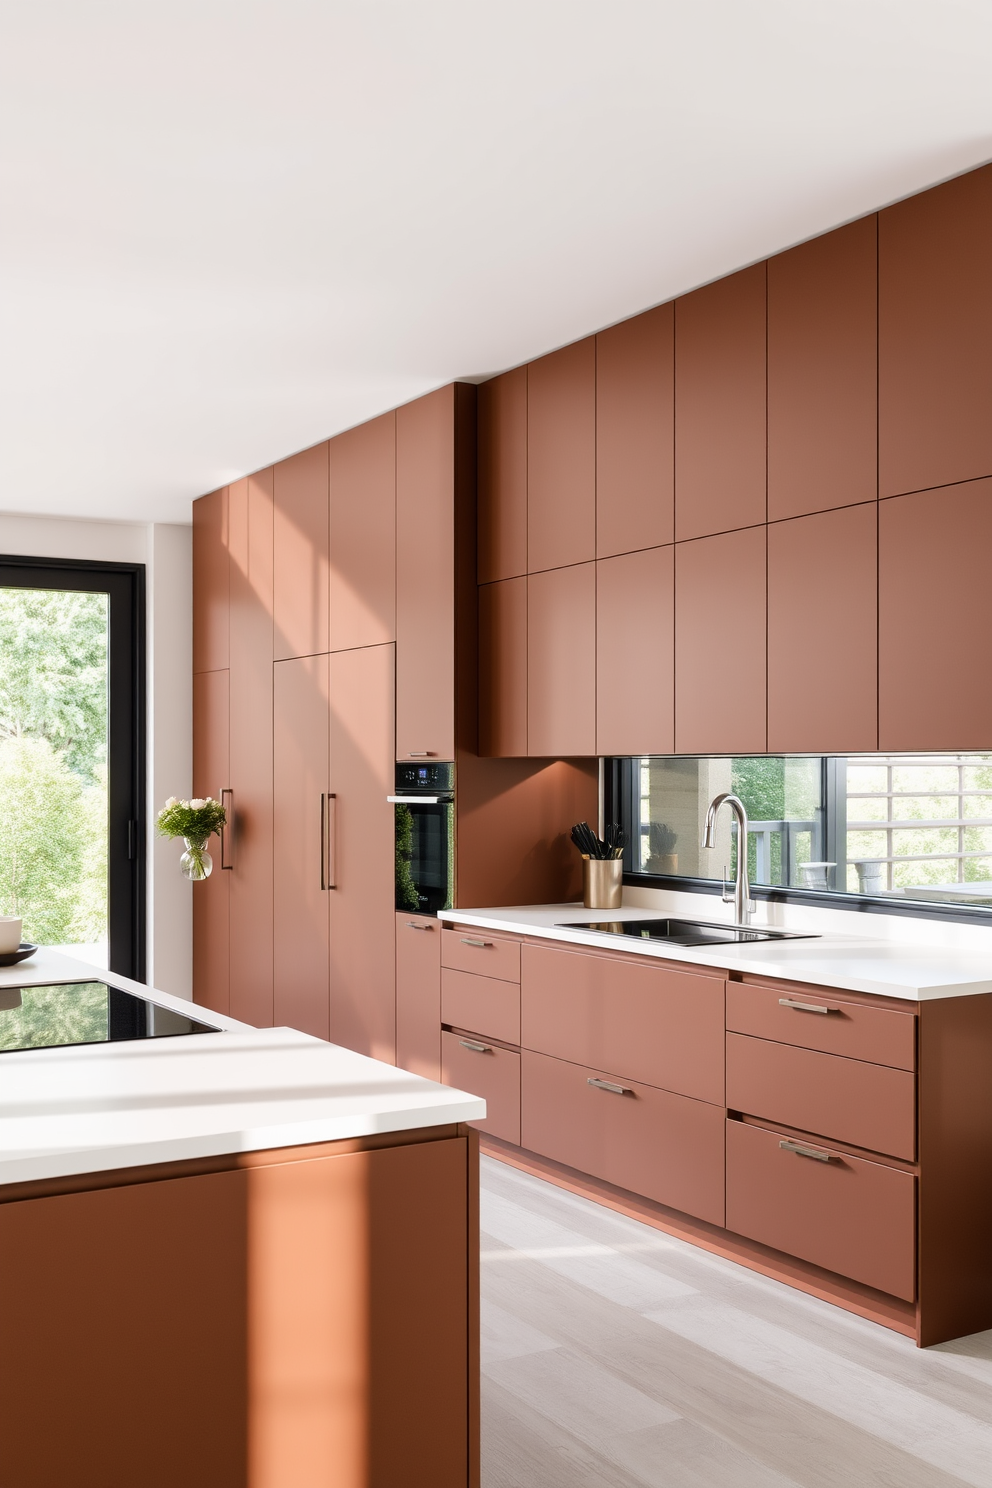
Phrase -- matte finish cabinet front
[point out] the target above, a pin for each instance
(503, 477)
(648, 1141)
(363, 535)
(561, 662)
(561, 457)
(635, 653)
(635, 433)
(301, 551)
(482, 953)
(493, 1074)
(418, 995)
(637, 1020)
(821, 1018)
(503, 668)
(481, 1005)
(211, 584)
(212, 907)
(843, 1213)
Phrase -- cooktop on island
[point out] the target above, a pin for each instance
(83, 1013)
(689, 932)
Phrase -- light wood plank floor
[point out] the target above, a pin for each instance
(617, 1356)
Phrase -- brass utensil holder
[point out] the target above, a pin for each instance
(602, 883)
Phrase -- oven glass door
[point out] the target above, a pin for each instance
(425, 867)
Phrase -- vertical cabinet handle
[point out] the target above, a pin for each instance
(328, 840)
(227, 801)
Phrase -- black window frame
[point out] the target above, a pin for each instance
(124, 583)
(619, 805)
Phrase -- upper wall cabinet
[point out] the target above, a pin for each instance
(503, 668)
(935, 336)
(503, 476)
(561, 457)
(822, 373)
(934, 622)
(635, 433)
(720, 406)
(300, 553)
(635, 653)
(211, 583)
(363, 535)
(561, 661)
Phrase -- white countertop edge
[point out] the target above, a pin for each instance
(953, 973)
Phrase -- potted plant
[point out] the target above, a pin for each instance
(662, 857)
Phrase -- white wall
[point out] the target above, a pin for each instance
(166, 551)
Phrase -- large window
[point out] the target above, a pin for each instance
(896, 828)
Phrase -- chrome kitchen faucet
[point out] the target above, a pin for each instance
(741, 897)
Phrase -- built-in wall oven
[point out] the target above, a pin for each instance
(425, 837)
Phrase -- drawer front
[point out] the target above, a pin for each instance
(482, 953)
(867, 1105)
(489, 1072)
(847, 1215)
(633, 1017)
(481, 1004)
(418, 995)
(664, 1146)
(796, 1016)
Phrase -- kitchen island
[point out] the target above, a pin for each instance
(240, 1257)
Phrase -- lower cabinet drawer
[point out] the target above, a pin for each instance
(482, 1004)
(667, 1147)
(489, 1072)
(848, 1215)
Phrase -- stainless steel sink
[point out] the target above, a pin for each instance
(688, 932)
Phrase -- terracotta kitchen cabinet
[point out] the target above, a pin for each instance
(848, 1215)
(247, 860)
(492, 1073)
(822, 372)
(503, 668)
(561, 661)
(638, 1020)
(720, 405)
(720, 682)
(481, 1005)
(212, 901)
(363, 535)
(820, 1018)
(301, 561)
(635, 653)
(300, 844)
(934, 624)
(418, 995)
(822, 632)
(648, 1141)
(361, 852)
(503, 477)
(868, 1105)
(482, 953)
(935, 336)
(211, 585)
(561, 457)
(635, 433)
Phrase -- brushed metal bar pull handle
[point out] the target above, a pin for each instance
(412, 924)
(421, 754)
(332, 846)
(225, 861)
(323, 841)
(476, 1048)
(804, 1007)
(801, 1151)
(609, 1085)
(466, 940)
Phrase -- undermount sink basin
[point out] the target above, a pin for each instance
(689, 932)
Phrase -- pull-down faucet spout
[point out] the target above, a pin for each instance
(741, 897)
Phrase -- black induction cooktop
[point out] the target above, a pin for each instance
(64, 1013)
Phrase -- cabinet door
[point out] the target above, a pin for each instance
(635, 433)
(300, 894)
(561, 661)
(720, 644)
(822, 372)
(418, 995)
(489, 1072)
(635, 653)
(425, 577)
(362, 871)
(211, 898)
(935, 336)
(363, 535)
(934, 625)
(211, 593)
(503, 476)
(720, 405)
(503, 668)
(823, 632)
(561, 457)
(249, 845)
(301, 561)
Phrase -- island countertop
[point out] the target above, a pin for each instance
(886, 968)
(88, 1108)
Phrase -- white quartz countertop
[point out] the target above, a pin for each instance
(94, 1107)
(885, 967)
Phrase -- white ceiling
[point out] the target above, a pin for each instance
(231, 228)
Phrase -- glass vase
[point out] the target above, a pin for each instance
(196, 863)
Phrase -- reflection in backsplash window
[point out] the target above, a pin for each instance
(905, 826)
